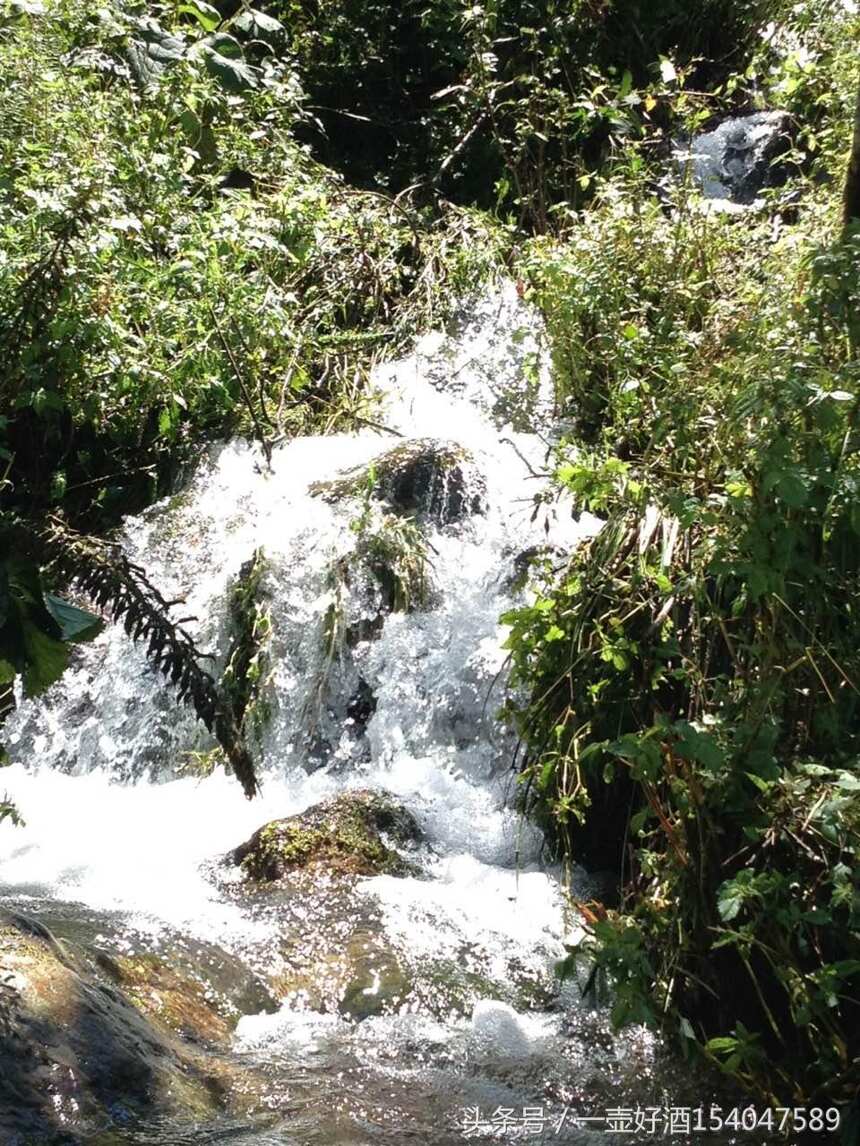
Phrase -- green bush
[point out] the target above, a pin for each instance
(175, 265)
(694, 671)
(175, 268)
(511, 103)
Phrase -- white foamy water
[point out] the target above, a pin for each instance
(730, 164)
(85, 755)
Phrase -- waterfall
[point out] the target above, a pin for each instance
(126, 846)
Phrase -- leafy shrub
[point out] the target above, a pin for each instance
(175, 264)
(693, 671)
(509, 103)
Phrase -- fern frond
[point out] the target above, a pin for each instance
(113, 582)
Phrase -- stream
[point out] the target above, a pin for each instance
(392, 1008)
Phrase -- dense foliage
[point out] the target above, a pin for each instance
(510, 103)
(175, 267)
(694, 671)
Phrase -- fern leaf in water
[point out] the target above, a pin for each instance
(112, 581)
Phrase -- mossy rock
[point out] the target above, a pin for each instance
(436, 480)
(75, 1052)
(347, 835)
(379, 985)
(178, 1000)
(357, 975)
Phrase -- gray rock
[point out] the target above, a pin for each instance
(348, 834)
(430, 479)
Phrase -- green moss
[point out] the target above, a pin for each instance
(248, 663)
(419, 477)
(344, 834)
(175, 999)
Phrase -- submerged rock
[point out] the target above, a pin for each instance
(174, 997)
(349, 968)
(348, 834)
(74, 1052)
(336, 956)
(739, 158)
(437, 480)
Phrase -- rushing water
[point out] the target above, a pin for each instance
(121, 851)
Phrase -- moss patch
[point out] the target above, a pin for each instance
(344, 834)
(179, 1001)
(435, 479)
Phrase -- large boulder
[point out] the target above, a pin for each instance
(339, 953)
(75, 1053)
(435, 480)
(349, 968)
(355, 833)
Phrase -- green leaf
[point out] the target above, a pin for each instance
(255, 25)
(47, 659)
(730, 902)
(699, 746)
(225, 45)
(233, 73)
(205, 14)
(75, 624)
(152, 50)
(719, 1045)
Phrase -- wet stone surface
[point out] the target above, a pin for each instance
(350, 834)
(74, 1049)
(436, 480)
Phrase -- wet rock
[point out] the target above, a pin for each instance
(352, 967)
(524, 561)
(195, 988)
(349, 970)
(336, 956)
(362, 705)
(348, 834)
(378, 985)
(74, 1052)
(740, 157)
(176, 999)
(436, 480)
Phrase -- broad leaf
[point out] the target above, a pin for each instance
(152, 50)
(254, 25)
(234, 74)
(75, 624)
(205, 14)
(47, 659)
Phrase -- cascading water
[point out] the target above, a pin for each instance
(454, 985)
